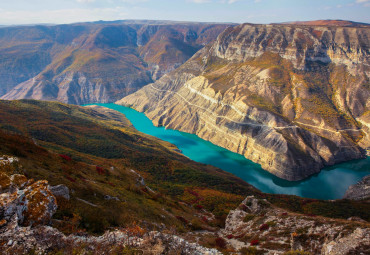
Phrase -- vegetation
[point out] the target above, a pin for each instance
(92, 151)
(92, 154)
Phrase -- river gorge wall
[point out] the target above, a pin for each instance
(291, 98)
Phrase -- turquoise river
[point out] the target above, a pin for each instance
(330, 183)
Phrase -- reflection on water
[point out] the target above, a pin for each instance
(330, 183)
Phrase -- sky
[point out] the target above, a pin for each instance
(14, 12)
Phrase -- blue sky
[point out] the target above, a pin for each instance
(239, 11)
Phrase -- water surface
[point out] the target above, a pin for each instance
(330, 183)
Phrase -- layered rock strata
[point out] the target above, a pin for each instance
(291, 98)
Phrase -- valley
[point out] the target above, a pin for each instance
(140, 191)
(178, 137)
(205, 152)
(292, 98)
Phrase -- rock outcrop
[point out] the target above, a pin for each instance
(291, 98)
(354, 243)
(360, 190)
(60, 190)
(275, 231)
(25, 201)
(87, 63)
(26, 206)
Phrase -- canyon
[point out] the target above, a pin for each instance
(291, 97)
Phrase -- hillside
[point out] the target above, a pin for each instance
(120, 178)
(291, 98)
(94, 62)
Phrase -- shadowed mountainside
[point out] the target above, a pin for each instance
(94, 62)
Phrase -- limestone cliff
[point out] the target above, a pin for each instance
(291, 98)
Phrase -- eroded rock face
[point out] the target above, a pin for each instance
(293, 99)
(360, 190)
(278, 231)
(60, 191)
(30, 203)
(354, 243)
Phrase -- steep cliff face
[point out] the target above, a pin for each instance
(85, 63)
(291, 98)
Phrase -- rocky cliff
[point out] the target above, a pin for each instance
(274, 231)
(93, 62)
(360, 190)
(291, 98)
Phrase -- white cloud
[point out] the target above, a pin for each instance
(200, 1)
(85, 1)
(62, 16)
(366, 3)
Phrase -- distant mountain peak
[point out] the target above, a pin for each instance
(328, 22)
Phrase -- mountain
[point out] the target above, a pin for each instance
(292, 98)
(69, 174)
(94, 62)
(339, 23)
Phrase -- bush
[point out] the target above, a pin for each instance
(251, 251)
(100, 170)
(255, 242)
(65, 157)
(249, 217)
(198, 207)
(220, 242)
(264, 227)
(296, 253)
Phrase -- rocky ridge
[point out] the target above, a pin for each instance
(93, 62)
(26, 206)
(291, 98)
(360, 190)
(256, 223)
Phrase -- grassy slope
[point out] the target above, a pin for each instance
(102, 137)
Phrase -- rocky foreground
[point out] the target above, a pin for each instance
(291, 98)
(255, 227)
(26, 209)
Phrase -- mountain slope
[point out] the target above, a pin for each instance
(291, 98)
(132, 185)
(98, 154)
(92, 62)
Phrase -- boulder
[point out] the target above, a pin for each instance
(30, 204)
(60, 191)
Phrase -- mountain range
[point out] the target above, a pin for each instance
(293, 97)
(94, 62)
